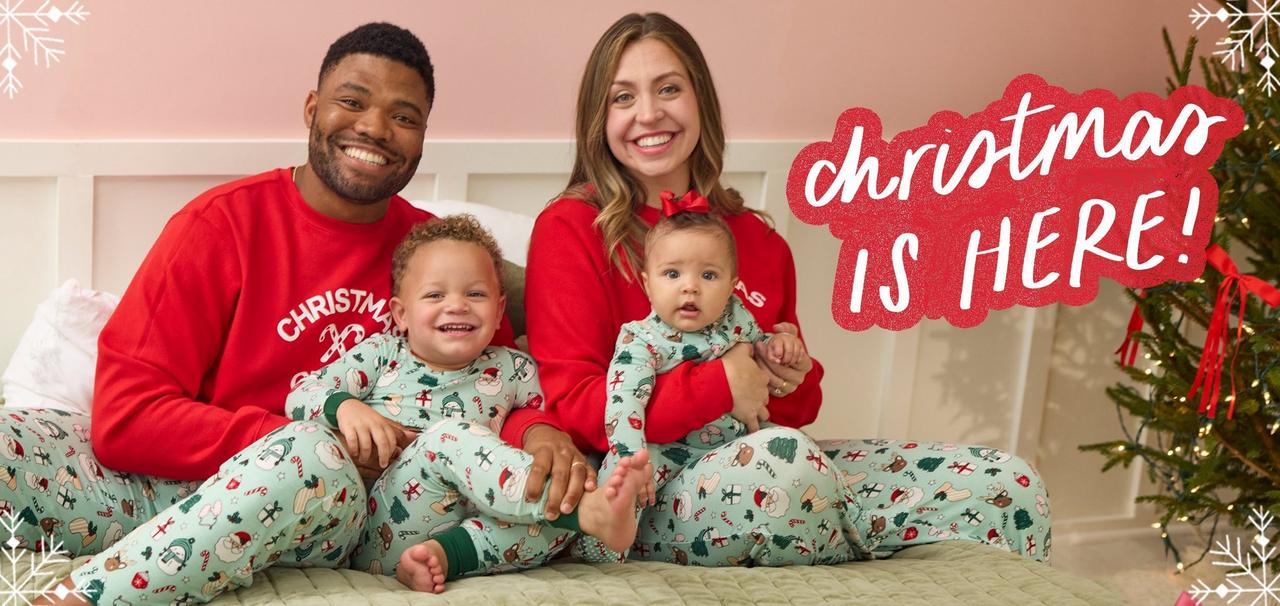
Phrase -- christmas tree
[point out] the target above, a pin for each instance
(1215, 459)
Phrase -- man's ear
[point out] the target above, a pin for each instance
(397, 313)
(309, 109)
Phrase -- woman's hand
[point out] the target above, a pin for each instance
(749, 384)
(555, 455)
(783, 380)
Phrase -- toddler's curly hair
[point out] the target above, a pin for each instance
(461, 228)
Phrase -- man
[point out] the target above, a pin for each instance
(249, 287)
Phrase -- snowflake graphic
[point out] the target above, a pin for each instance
(1253, 35)
(32, 28)
(1242, 562)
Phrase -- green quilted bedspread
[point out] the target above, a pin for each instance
(954, 572)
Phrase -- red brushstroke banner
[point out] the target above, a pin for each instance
(1028, 202)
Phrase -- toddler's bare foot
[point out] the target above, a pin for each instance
(423, 567)
(609, 514)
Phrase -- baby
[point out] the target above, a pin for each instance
(444, 379)
(690, 270)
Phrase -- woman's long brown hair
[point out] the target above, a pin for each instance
(600, 179)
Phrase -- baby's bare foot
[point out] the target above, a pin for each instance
(423, 567)
(609, 513)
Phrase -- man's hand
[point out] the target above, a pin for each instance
(555, 455)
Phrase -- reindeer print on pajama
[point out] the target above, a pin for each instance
(287, 498)
(724, 496)
(458, 472)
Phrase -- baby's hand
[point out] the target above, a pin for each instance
(786, 348)
(786, 327)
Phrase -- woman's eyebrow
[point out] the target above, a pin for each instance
(658, 77)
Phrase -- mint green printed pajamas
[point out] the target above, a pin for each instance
(776, 497)
(458, 481)
(289, 498)
(733, 512)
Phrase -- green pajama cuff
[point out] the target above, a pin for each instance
(331, 407)
(460, 550)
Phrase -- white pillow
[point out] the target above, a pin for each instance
(54, 363)
(510, 229)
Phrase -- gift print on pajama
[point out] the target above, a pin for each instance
(458, 472)
(649, 347)
(724, 460)
(247, 512)
(51, 481)
(922, 492)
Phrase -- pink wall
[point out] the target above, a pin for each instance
(141, 69)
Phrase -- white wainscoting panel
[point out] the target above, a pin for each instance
(29, 253)
(1030, 381)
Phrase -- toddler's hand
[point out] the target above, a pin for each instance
(786, 348)
(649, 494)
(368, 432)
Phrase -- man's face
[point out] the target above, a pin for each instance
(367, 122)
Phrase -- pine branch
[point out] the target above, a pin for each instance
(1240, 456)
(1264, 437)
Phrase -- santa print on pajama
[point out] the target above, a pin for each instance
(904, 493)
(457, 471)
(243, 292)
(649, 347)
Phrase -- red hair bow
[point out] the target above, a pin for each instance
(691, 202)
(1234, 284)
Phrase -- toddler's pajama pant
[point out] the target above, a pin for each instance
(458, 473)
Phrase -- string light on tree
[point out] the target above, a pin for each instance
(1200, 416)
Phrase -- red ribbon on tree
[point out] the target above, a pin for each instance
(1128, 350)
(1209, 374)
(691, 202)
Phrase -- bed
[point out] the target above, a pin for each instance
(954, 572)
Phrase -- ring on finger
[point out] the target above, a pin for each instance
(577, 463)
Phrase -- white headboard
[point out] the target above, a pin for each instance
(90, 210)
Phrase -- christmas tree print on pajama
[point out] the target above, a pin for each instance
(648, 347)
(457, 473)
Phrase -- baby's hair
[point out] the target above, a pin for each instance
(688, 221)
(460, 228)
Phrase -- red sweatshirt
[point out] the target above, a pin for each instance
(246, 290)
(576, 300)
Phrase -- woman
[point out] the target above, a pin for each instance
(648, 121)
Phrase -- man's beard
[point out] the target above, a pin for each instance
(320, 156)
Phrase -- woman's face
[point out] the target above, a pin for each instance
(652, 124)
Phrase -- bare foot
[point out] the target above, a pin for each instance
(423, 567)
(610, 514)
(72, 599)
